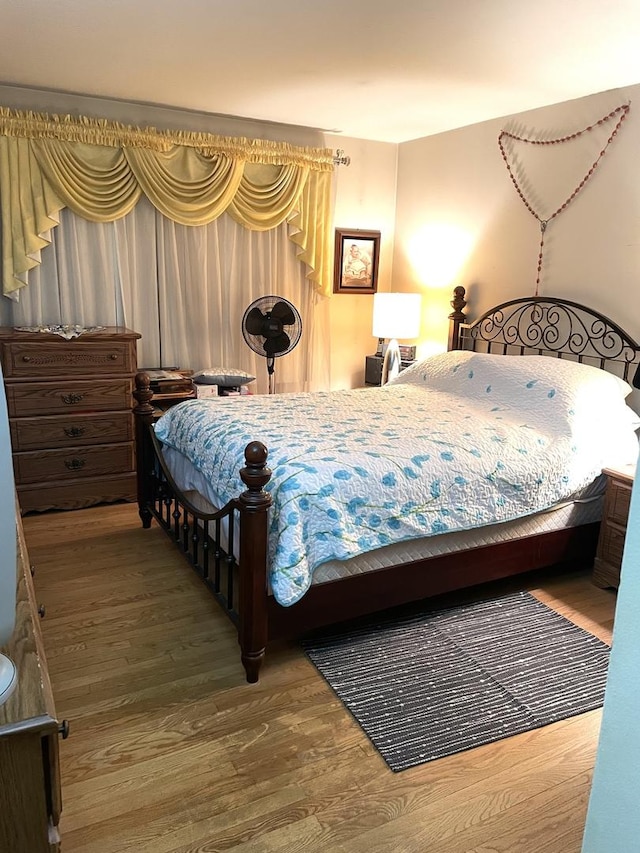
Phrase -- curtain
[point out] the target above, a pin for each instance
(101, 170)
(184, 288)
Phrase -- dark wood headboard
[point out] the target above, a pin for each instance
(546, 325)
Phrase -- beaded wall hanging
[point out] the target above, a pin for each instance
(618, 116)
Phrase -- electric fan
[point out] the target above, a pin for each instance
(271, 327)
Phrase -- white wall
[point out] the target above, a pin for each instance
(365, 197)
(455, 185)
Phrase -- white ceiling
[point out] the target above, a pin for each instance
(373, 69)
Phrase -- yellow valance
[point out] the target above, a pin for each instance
(99, 169)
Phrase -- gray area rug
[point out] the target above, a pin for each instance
(441, 681)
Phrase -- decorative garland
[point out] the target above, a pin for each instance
(619, 111)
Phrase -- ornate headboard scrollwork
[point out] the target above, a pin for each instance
(551, 326)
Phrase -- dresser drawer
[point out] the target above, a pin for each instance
(618, 502)
(52, 398)
(72, 463)
(611, 545)
(51, 358)
(76, 494)
(70, 430)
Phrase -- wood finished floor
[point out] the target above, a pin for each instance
(171, 751)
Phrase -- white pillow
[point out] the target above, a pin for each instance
(226, 377)
(501, 376)
(555, 396)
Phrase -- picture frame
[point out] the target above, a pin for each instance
(357, 253)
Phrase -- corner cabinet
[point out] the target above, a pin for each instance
(70, 416)
(30, 798)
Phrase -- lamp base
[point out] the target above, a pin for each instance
(391, 362)
(8, 678)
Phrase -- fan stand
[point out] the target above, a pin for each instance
(271, 363)
(272, 327)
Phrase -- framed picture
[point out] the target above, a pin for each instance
(356, 261)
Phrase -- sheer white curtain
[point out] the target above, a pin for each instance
(185, 289)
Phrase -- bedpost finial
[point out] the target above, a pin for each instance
(458, 303)
(255, 475)
(143, 394)
(456, 318)
(255, 454)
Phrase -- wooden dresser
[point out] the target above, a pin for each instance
(70, 415)
(30, 798)
(613, 529)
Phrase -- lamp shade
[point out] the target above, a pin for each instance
(396, 315)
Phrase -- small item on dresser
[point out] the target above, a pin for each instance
(168, 380)
(407, 352)
(68, 332)
(205, 391)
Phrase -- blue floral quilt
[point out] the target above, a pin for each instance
(457, 441)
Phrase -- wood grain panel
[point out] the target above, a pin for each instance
(30, 800)
(54, 398)
(69, 430)
(76, 494)
(73, 462)
(106, 352)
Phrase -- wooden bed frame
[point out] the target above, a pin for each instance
(538, 325)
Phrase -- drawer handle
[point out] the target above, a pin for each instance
(113, 356)
(74, 431)
(26, 358)
(72, 399)
(63, 729)
(41, 611)
(74, 464)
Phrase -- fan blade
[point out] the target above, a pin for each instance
(254, 322)
(279, 343)
(281, 311)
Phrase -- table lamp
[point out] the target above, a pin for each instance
(395, 315)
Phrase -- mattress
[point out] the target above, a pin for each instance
(584, 507)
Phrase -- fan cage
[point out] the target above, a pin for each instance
(260, 326)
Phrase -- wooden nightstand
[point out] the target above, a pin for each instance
(166, 393)
(373, 368)
(608, 561)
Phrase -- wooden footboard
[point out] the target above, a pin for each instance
(208, 540)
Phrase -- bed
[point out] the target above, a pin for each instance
(380, 497)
